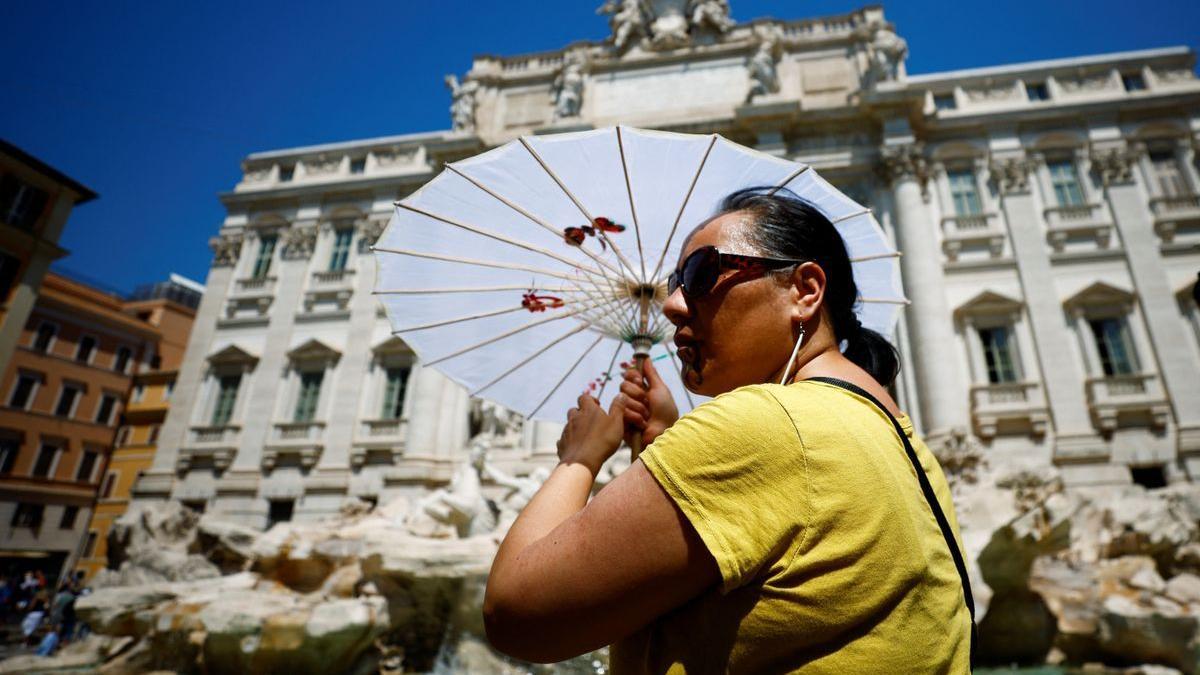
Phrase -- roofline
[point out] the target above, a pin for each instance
(186, 282)
(1049, 63)
(347, 145)
(85, 193)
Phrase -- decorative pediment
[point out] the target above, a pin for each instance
(1100, 295)
(393, 346)
(989, 303)
(314, 350)
(233, 355)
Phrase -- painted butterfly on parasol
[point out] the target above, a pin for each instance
(575, 236)
(540, 303)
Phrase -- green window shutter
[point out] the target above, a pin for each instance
(262, 262)
(393, 394)
(997, 353)
(1066, 183)
(310, 392)
(965, 192)
(341, 249)
(226, 398)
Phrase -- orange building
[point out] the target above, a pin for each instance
(170, 307)
(62, 393)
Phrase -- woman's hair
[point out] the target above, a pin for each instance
(786, 226)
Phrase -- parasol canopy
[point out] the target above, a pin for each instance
(532, 272)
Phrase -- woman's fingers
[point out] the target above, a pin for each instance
(636, 407)
(635, 391)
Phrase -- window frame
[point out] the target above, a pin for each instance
(106, 397)
(339, 252)
(37, 378)
(1057, 181)
(71, 509)
(268, 242)
(963, 181)
(1156, 160)
(215, 419)
(109, 484)
(83, 457)
(91, 355)
(1010, 350)
(21, 513)
(306, 411)
(1125, 332)
(37, 334)
(80, 391)
(58, 449)
(399, 396)
(119, 367)
(10, 449)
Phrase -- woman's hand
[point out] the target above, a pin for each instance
(592, 435)
(649, 406)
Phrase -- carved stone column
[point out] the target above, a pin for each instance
(1129, 202)
(1061, 374)
(941, 386)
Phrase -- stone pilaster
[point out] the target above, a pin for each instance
(1129, 200)
(941, 390)
(1062, 376)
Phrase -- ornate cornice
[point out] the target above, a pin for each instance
(299, 241)
(1011, 174)
(226, 249)
(1114, 165)
(368, 233)
(901, 162)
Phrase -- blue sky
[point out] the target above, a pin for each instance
(154, 104)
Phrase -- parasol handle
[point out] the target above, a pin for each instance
(641, 352)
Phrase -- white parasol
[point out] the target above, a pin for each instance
(530, 273)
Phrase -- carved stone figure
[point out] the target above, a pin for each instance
(299, 241)
(460, 505)
(462, 103)
(494, 426)
(521, 490)
(764, 75)
(1011, 174)
(368, 233)
(886, 51)
(568, 88)
(628, 21)
(710, 14)
(669, 26)
(1114, 165)
(226, 249)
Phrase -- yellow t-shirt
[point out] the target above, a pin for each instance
(831, 560)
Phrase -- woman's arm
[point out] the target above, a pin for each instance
(573, 576)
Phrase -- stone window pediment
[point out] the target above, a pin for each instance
(392, 347)
(989, 304)
(314, 351)
(1101, 298)
(233, 355)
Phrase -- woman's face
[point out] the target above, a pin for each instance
(740, 332)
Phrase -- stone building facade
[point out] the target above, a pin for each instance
(1047, 212)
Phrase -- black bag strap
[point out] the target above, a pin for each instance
(930, 497)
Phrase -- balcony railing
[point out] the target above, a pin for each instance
(299, 431)
(332, 278)
(391, 428)
(972, 229)
(1089, 224)
(1023, 402)
(209, 435)
(255, 286)
(1110, 396)
(1175, 205)
(221, 458)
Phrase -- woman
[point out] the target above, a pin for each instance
(780, 527)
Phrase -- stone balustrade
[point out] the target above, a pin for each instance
(1137, 397)
(299, 431)
(1069, 228)
(216, 435)
(1017, 404)
(973, 230)
(253, 287)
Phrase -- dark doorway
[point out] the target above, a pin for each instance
(1149, 477)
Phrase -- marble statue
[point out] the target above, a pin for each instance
(711, 14)
(494, 426)
(887, 51)
(460, 505)
(568, 88)
(764, 74)
(462, 103)
(521, 490)
(627, 18)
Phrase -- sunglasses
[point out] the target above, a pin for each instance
(700, 270)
